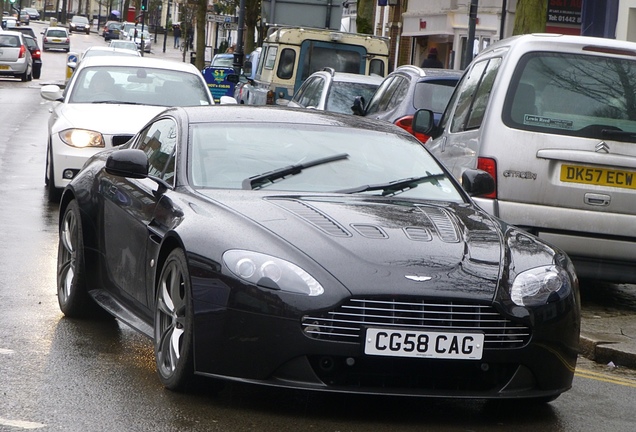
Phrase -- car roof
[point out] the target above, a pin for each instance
(272, 114)
(46, 30)
(12, 33)
(112, 50)
(138, 61)
(429, 72)
(357, 78)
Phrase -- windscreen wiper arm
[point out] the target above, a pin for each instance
(265, 179)
(618, 133)
(397, 186)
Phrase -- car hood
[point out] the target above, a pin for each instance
(109, 119)
(411, 247)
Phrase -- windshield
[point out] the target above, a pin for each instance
(80, 19)
(573, 94)
(138, 85)
(312, 159)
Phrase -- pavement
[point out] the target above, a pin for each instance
(608, 330)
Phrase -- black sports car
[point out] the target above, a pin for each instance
(317, 251)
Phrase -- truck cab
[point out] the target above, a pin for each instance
(290, 54)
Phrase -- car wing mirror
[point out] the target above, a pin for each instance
(477, 182)
(424, 122)
(227, 100)
(52, 92)
(131, 163)
(247, 68)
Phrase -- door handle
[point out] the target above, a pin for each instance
(600, 200)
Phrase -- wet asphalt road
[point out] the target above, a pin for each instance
(58, 374)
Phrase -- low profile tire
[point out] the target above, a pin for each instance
(54, 193)
(72, 294)
(173, 325)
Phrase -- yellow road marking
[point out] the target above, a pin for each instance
(605, 378)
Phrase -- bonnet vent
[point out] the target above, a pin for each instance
(443, 223)
(313, 216)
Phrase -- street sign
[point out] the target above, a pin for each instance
(220, 18)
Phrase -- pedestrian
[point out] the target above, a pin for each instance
(190, 34)
(432, 61)
(177, 35)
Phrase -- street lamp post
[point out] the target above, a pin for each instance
(238, 52)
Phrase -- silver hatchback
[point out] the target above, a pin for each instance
(553, 119)
(56, 38)
(15, 58)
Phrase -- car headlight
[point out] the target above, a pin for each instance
(540, 285)
(271, 272)
(82, 138)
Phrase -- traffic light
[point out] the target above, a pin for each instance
(144, 5)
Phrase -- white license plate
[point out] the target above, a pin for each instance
(428, 344)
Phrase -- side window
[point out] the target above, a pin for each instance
(159, 144)
(313, 92)
(393, 94)
(473, 97)
(379, 95)
(286, 64)
(270, 58)
(376, 67)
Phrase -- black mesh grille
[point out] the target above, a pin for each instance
(344, 324)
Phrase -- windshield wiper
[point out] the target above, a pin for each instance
(397, 186)
(618, 133)
(265, 179)
(116, 102)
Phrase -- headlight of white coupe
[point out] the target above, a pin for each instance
(82, 138)
(538, 286)
(271, 272)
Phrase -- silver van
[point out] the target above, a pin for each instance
(553, 119)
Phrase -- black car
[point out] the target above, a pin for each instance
(33, 13)
(313, 250)
(406, 90)
(25, 30)
(111, 30)
(36, 55)
(79, 24)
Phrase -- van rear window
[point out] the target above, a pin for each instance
(574, 94)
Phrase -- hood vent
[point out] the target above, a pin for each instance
(443, 223)
(370, 231)
(314, 217)
(418, 234)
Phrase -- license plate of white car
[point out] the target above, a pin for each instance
(427, 344)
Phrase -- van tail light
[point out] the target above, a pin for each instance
(270, 98)
(406, 123)
(22, 51)
(36, 54)
(490, 166)
(68, 40)
(45, 39)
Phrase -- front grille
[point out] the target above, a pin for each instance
(118, 140)
(345, 323)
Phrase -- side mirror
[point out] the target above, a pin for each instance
(52, 92)
(247, 68)
(358, 106)
(227, 100)
(130, 163)
(477, 182)
(233, 78)
(424, 122)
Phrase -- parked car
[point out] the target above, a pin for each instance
(107, 100)
(9, 23)
(96, 50)
(123, 44)
(33, 13)
(407, 89)
(79, 24)
(56, 38)
(111, 30)
(243, 89)
(329, 90)
(355, 263)
(551, 118)
(36, 54)
(24, 17)
(15, 58)
(25, 30)
(125, 29)
(223, 60)
(135, 35)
